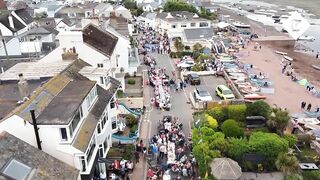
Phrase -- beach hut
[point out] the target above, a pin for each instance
(225, 168)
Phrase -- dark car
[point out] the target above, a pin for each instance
(193, 79)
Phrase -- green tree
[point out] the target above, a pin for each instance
(237, 112)
(292, 139)
(178, 5)
(40, 15)
(231, 128)
(278, 120)
(258, 108)
(288, 164)
(219, 113)
(178, 45)
(269, 145)
(211, 121)
(130, 4)
(238, 147)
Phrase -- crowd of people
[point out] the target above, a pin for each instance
(160, 81)
(171, 150)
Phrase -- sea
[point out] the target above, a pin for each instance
(309, 9)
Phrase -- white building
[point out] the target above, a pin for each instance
(15, 22)
(148, 19)
(122, 11)
(74, 118)
(174, 23)
(101, 49)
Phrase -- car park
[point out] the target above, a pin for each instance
(193, 79)
(202, 95)
(224, 92)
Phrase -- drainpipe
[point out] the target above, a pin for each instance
(36, 129)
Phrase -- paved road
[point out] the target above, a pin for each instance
(180, 106)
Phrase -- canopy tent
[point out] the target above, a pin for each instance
(225, 168)
(303, 82)
(222, 25)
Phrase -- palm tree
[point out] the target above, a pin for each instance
(288, 164)
(278, 120)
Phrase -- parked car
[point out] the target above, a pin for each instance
(202, 95)
(224, 92)
(193, 79)
(185, 64)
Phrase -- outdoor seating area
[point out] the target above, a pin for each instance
(169, 152)
(160, 81)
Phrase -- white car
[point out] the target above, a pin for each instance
(202, 95)
(185, 64)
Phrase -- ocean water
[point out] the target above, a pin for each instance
(310, 9)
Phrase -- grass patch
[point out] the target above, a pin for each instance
(131, 81)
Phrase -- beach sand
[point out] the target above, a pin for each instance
(288, 94)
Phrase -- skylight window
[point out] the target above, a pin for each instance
(16, 170)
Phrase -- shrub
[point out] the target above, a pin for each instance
(288, 164)
(186, 53)
(131, 81)
(237, 112)
(128, 152)
(219, 113)
(187, 48)
(211, 121)
(258, 108)
(293, 177)
(120, 94)
(231, 128)
(197, 67)
(237, 148)
(312, 175)
(269, 145)
(134, 128)
(292, 139)
(131, 120)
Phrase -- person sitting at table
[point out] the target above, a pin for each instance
(151, 175)
(129, 166)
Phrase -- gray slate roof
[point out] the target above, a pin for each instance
(83, 138)
(180, 16)
(43, 165)
(198, 33)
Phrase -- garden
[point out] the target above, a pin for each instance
(222, 132)
(131, 125)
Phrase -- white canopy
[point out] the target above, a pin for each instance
(223, 25)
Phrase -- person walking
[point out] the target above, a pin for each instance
(317, 56)
(295, 126)
(303, 104)
(309, 107)
(162, 149)
(137, 156)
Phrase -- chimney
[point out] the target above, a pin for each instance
(23, 87)
(11, 21)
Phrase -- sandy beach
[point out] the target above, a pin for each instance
(288, 94)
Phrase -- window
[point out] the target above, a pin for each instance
(63, 132)
(204, 24)
(75, 122)
(103, 121)
(101, 80)
(183, 25)
(100, 150)
(17, 170)
(99, 128)
(91, 149)
(83, 163)
(81, 112)
(100, 65)
(173, 26)
(114, 123)
(193, 24)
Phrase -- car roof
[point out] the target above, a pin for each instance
(223, 87)
(194, 75)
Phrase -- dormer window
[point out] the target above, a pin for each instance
(100, 65)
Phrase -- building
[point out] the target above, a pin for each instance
(75, 118)
(65, 24)
(148, 19)
(31, 163)
(105, 49)
(203, 36)
(122, 11)
(103, 10)
(174, 23)
(15, 22)
(48, 7)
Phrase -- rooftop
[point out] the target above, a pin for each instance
(84, 136)
(101, 40)
(43, 166)
(199, 33)
(34, 70)
(4, 14)
(180, 16)
(60, 93)
(24, 15)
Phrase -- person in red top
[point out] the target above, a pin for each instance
(150, 174)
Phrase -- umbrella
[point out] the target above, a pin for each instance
(225, 168)
(303, 82)
(223, 25)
